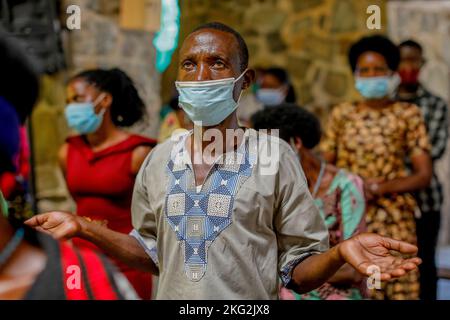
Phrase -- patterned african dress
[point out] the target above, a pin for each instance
(374, 144)
(342, 207)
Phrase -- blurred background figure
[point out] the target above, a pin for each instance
(33, 266)
(14, 178)
(372, 138)
(249, 104)
(430, 200)
(101, 163)
(338, 194)
(275, 88)
(173, 119)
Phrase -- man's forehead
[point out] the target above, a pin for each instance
(211, 41)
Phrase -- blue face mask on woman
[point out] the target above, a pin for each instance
(81, 116)
(208, 102)
(376, 87)
(270, 97)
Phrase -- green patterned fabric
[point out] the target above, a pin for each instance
(342, 207)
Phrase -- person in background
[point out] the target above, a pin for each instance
(14, 178)
(435, 112)
(173, 121)
(15, 182)
(249, 100)
(372, 138)
(33, 266)
(100, 164)
(275, 88)
(338, 194)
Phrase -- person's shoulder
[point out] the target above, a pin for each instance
(344, 108)
(407, 110)
(266, 140)
(349, 177)
(276, 153)
(425, 92)
(75, 140)
(162, 151)
(140, 140)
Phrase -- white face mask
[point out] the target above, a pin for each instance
(208, 102)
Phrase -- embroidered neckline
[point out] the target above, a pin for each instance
(198, 218)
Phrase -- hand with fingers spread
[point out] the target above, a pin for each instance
(60, 225)
(368, 249)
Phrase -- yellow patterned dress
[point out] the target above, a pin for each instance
(373, 143)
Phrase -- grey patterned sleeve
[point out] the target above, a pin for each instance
(142, 215)
(301, 230)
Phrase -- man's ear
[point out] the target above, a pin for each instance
(249, 78)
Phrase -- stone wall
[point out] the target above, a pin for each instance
(100, 43)
(310, 38)
(429, 23)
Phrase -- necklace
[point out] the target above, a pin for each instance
(323, 166)
(11, 247)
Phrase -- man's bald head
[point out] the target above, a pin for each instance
(240, 42)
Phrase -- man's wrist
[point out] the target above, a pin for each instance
(378, 188)
(336, 254)
(85, 225)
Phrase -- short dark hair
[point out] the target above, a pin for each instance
(279, 73)
(242, 46)
(292, 121)
(127, 106)
(411, 43)
(376, 43)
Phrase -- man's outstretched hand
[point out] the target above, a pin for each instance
(368, 249)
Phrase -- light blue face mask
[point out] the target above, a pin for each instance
(374, 87)
(270, 97)
(208, 103)
(81, 116)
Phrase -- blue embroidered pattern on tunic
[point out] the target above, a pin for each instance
(198, 218)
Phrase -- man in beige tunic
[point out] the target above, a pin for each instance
(226, 224)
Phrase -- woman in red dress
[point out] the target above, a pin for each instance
(101, 163)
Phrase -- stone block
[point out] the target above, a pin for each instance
(344, 17)
(303, 5)
(336, 83)
(275, 42)
(298, 65)
(266, 18)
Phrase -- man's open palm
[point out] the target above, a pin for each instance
(368, 249)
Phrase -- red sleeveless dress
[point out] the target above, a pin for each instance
(101, 183)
